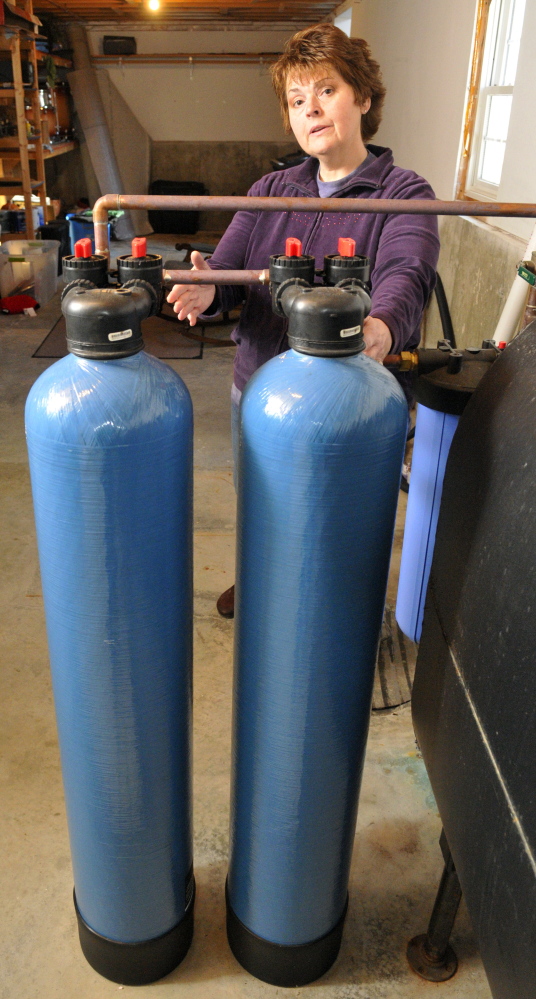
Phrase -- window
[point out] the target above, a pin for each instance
(498, 65)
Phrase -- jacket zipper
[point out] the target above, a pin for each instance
(367, 184)
(320, 215)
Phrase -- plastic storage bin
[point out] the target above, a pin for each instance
(30, 265)
(81, 227)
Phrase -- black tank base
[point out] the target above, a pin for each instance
(426, 965)
(138, 963)
(288, 967)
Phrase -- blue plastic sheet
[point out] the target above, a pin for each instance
(321, 449)
(433, 436)
(110, 446)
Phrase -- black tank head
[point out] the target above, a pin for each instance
(105, 324)
(327, 322)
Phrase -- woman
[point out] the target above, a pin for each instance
(331, 96)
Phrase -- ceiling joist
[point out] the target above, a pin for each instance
(189, 13)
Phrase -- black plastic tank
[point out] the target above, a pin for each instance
(475, 681)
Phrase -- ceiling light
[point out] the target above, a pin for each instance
(154, 4)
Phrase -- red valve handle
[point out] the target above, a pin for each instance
(346, 246)
(293, 247)
(83, 248)
(139, 246)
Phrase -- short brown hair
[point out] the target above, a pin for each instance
(324, 44)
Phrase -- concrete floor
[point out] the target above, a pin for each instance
(397, 862)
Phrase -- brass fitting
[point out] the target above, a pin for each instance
(409, 360)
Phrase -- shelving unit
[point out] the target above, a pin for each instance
(18, 40)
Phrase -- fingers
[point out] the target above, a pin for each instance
(176, 292)
(188, 312)
(378, 339)
(189, 301)
(187, 295)
(373, 353)
(183, 296)
(198, 262)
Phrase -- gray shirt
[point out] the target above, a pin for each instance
(330, 188)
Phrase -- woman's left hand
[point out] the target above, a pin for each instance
(377, 338)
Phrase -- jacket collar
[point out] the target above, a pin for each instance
(302, 178)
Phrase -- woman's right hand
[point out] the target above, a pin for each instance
(191, 300)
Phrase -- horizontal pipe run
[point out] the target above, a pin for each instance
(382, 206)
(217, 277)
(188, 58)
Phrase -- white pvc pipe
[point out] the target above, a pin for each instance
(514, 306)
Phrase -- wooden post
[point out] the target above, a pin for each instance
(23, 134)
(39, 153)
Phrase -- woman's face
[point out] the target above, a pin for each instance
(324, 114)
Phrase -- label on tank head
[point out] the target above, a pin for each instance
(352, 331)
(122, 335)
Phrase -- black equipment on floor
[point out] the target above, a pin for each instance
(58, 229)
(475, 682)
(172, 221)
(289, 160)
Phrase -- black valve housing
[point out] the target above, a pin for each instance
(338, 268)
(147, 268)
(93, 269)
(284, 269)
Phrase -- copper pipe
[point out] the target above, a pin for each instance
(383, 206)
(217, 277)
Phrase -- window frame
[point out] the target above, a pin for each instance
(477, 187)
(484, 60)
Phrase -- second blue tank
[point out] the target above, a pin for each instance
(321, 448)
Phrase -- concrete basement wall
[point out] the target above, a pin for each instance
(424, 50)
(216, 124)
(477, 264)
(205, 102)
(71, 176)
(223, 167)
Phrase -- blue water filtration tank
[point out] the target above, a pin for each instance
(322, 438)
(434, 431)
(109, 432)
(442, 391)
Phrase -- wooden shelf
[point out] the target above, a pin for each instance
(10, 92)
(57, 149)
(8, 187)
(20, 40)
(24, 14)
(57, 60)
(6, 236)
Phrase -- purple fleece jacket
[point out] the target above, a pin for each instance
(403, 252)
